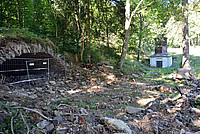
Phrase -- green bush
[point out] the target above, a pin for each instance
(22, 34)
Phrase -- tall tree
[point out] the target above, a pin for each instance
(140, 36)
(186, 56)
(88, 28)
(128, 17)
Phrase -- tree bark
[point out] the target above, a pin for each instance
(88, 29)
(186, 56)
(127, 32)
(80, 30)
(140, 38)
(18, 13)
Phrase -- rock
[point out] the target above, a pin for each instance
(61, 83)
(81, 121)
(61, 130)
(196, 110)
(104, 62)
(116, 124)
(46, 108)
(183, 73)
(34, 96)
(17, 48)
(61, 91)
(70, 117)
(196, 123)
(197, 97)
(197, 132)
(99, 126)
(4, 88)
(22, 95)
(52, 82)
(50, 127)
(12, 104)
(109, 67)
(194, 85)
(163, 89)
(133, 110)
(149, 110)
(179, 115)
(43, 124)
(182, 131)
(57, 120)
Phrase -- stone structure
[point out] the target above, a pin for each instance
(161, 58)
(11, 48)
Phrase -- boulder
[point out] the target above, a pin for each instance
(116, 124)
(183, 73)
(133, 110)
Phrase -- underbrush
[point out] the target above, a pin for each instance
(143, 67)
(22, 34)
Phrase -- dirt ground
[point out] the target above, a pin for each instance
(99, 99)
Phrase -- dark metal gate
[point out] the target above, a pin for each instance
(158, 63)
(30, 69)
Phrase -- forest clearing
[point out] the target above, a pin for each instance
(102, 100)
(99, 67)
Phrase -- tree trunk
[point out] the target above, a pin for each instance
(186, 56)
(55, 22)
(107, 35)
(88, 29)
(127, 33)
(140, 38)
(78, 25)
(18, 13)
(80, 29)
(127, 29)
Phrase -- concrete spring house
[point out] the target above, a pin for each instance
(161, 58)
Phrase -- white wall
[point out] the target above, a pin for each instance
(166, 61)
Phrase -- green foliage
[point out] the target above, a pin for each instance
(134, 67)
(18, 125)
(194, 62)
(22, 34)
(101, 52)
(57, 21)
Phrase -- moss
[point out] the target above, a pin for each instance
(17, 35)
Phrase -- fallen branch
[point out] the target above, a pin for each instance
(180, 90)
(29, 109)
(11, 122)
(25, 122)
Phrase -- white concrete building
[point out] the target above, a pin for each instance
(161, 58)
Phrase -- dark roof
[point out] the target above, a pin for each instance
(161, 55)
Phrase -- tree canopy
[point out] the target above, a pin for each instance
(95, 29)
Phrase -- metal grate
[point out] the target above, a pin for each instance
(30, 69)
(158, 63)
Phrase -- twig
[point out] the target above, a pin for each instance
(180, 90)
(11, 122)
(29, 109)
(12, 125)
(25, 122)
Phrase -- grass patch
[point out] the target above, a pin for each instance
(17, 34)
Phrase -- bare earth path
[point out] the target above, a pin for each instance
(90, 99)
